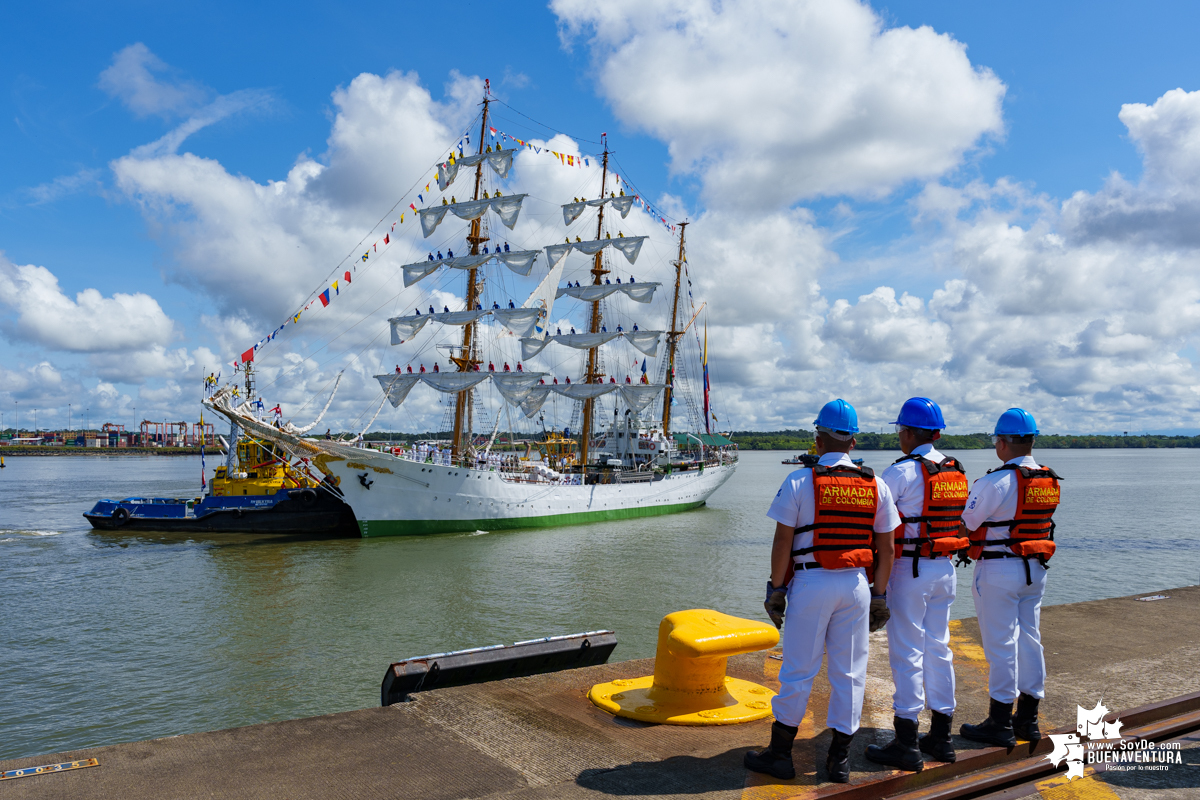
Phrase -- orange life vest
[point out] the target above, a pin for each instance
(844, 519)
(1031, 530)
(940, 520)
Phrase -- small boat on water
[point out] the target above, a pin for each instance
(259, 490)
(810, 458)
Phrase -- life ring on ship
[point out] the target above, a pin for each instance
(121, 515)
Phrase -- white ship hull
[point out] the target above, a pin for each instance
(394, 496)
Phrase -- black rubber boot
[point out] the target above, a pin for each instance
(837, 763)
(1024, 722)
(776, 758)
(996, 730)
(937, 742)
(902, 753)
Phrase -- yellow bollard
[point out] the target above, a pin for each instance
(689, 685)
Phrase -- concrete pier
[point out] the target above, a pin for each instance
(540, 737)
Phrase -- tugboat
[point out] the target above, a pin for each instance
(258, 490)
(810, 458)
(267, 495)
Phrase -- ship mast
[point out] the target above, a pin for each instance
(672, 338)
(466, 360)
(598, 271)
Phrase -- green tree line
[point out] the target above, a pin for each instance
(801, 440)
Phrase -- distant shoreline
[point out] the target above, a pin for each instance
(51, 450)
(799, 441)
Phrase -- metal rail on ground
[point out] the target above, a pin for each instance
(989, 772)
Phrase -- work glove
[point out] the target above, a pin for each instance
(776, 603)
(879, 612)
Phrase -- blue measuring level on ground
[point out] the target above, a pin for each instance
(47, 768)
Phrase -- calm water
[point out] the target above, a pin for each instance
(107, 638)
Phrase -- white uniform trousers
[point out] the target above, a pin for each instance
(827, 612)
(919, 636)
(1009, 613)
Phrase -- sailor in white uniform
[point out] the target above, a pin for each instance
(919, 599)
(829, 610)
(1008, 593)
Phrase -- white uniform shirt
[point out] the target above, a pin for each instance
(994, 498)
(906, 481)
(795, 503)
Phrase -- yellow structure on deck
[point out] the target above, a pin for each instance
(689, 685)
(263, 469)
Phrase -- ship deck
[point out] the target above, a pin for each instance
(539, 737)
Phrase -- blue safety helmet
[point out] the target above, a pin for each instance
(838, 415)
(920, 412)
(1016, 422)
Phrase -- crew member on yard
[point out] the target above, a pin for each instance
(1009, 521)
(930, 490)
(828, 521)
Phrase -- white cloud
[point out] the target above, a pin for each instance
(62, 186)
(146, 85)
(42, 383)
(39, 312)
(770, 102)
(880, 328)
(1045, 304)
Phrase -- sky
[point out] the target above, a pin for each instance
(990, 205)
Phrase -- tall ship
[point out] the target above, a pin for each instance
(621, 450)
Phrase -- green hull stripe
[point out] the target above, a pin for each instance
(417, 527)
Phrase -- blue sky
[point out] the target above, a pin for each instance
(1066, 70)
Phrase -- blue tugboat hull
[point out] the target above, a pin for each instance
(288, 511)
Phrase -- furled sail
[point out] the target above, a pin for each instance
(532, 345)
(639, 395)
(622, 204)
(397, 386)
(499, 160)
(641, 292)
(591, 247)
(557, 252)
(521, 321)
(506, 208)
(629, 246)
(645, 341)
(583, 391)
(519, 261)
(405, 328)
(417, 271)
(471, 209)
(467, 261)
(590, 292)
(454, 382)
(585, 341)
(431, 218)
(461, 317)
(516, 386)
(571, 211)
(534, 401)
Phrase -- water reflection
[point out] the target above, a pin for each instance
(112, 637)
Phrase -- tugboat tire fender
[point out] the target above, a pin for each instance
(121, 515)
(305, 496)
